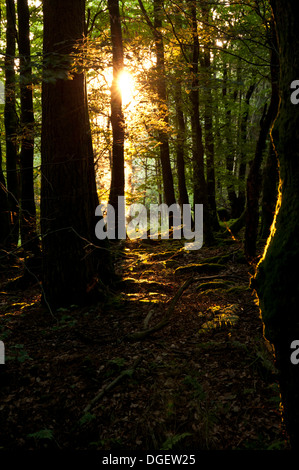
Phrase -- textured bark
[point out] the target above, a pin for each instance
(253, 187)
(71, 264)
(270, 173)
(276, 281)
(11, 123)
(269, 192)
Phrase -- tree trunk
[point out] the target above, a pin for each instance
(4, 213)
(276, 281)
(71, 261)
(270, 173)
(28, 210)
(254, 177)
(269, 192)
(240, 200)
(117, 117)
(208, 126)
(162, 97)
(180, 145)
(199, 181)
(230, 151)
(11, 122)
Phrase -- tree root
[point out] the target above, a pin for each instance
(139, 335)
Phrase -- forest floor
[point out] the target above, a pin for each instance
(161, 364)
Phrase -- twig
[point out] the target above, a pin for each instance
(121, 376)
(139, 335)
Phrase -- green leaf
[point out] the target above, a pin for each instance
(42, 434)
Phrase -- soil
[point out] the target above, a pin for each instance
(198, 375)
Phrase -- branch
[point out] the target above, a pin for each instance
(119, 378)
(147, 19)
(139, 335)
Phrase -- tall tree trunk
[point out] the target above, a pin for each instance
(160, 85)
(4, 212)
(208, 126)
(254, 176)
(11, 122)
(117, 117)
(240, 201)
(269, 192)
(271, 174)
(71, 261)
(162, 97)
(276, 281)
(199, 181)
(28, 210)
(230, 150)
(180, 145)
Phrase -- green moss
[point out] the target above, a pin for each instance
(276, 281)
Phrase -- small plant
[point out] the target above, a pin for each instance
(42, 434)
(198, 390)
(119, 362)
(86, 418)
(19, 353)
(171, 441)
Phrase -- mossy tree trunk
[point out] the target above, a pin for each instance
(270, 172)
(276, 280)
(254, 176)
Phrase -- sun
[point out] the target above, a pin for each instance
(126, 86)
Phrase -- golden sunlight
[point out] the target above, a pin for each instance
(126, 86)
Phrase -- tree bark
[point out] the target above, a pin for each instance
(276, 281)
(11, 123)
(117, 117)
(161, 89)
(199, 181)
(230, 150)
(72, 260)
(208, 127)
(270, 173)
(254, 176)
(180, 145)
(162, 97)
(4, 212)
